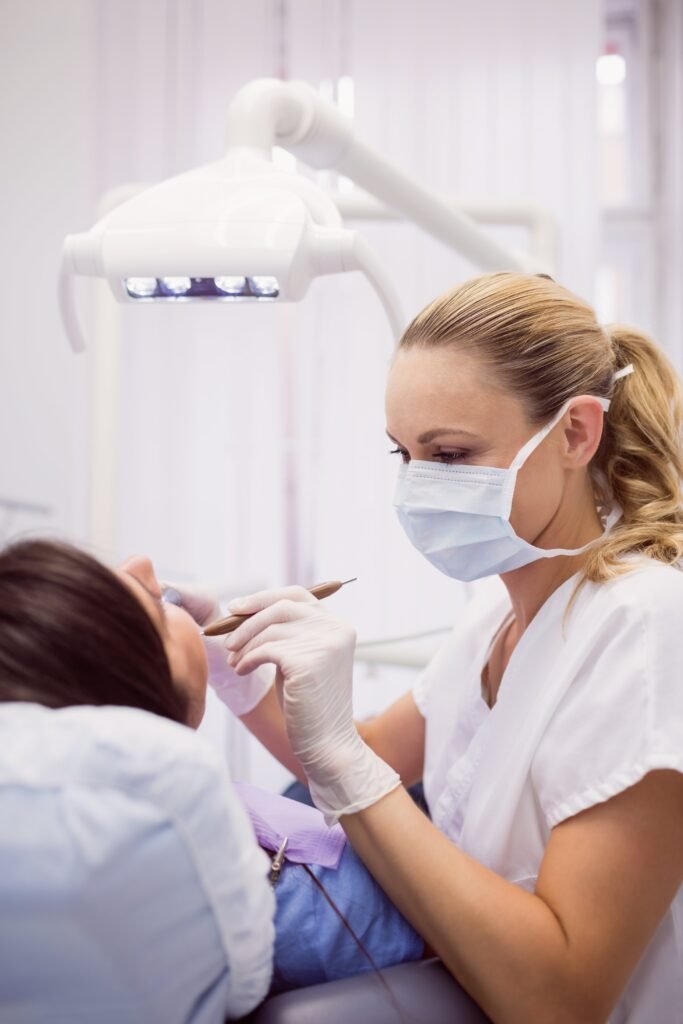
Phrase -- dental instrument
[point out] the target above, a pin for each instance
(278, 860)
(227, 625)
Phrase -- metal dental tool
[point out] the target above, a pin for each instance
(277, 862)
(227, 625)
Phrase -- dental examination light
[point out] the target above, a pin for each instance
(242, 230)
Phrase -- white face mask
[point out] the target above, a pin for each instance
(458, 517)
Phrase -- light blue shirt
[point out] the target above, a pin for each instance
(131, 886)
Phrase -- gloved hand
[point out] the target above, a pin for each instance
(240, 694)
(313, 652)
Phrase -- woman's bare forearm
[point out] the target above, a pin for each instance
(503, 944)
(564, 953)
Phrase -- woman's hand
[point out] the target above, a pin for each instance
(313, 652)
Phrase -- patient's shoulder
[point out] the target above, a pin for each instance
(89, 745)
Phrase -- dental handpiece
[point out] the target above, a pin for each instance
(227, 625)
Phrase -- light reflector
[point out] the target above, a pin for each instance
(232, 285)
(264, 287)
(141, 287)
(175, 285)
(229, 288)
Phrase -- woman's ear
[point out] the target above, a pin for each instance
(583, 425)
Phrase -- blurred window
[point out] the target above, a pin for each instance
(625, 286)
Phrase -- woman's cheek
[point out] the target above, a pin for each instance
(187, 656)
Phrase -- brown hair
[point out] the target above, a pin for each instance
(544, 344)
(71, 632)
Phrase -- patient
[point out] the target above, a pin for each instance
(73, 636)
(131, 888)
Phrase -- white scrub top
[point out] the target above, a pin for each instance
(131, 886)
(589, 704)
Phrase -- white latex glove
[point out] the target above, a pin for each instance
(313, 652)
(239, 693)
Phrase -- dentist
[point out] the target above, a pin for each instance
(540, 447)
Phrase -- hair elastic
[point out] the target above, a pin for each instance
(624, 372)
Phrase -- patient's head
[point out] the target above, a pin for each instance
(74, 632)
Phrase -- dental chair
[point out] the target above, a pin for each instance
(421, 993)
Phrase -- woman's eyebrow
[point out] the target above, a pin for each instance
(429, 435)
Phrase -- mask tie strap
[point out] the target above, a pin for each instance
(524, 453)
(533, 443)
(623, 372)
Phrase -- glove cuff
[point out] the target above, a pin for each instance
(241, 694)
(361, 779)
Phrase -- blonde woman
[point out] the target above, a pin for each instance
(541, 447)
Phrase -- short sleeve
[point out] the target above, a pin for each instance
(622, 715)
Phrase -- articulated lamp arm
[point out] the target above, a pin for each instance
(239, 215)
(267, 113)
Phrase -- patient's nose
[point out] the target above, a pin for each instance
(141, 567)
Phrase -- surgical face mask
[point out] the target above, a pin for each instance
(458, 517)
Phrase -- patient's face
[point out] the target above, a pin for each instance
(178, 631)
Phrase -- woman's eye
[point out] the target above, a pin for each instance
(402, 452)
(449, 457)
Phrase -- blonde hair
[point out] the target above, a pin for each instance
(543, 344)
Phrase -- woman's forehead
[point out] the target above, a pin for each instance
(444, 387)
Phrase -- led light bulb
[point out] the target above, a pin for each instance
(267, 287)
(231, 285)
(176, 285)
(141, 287)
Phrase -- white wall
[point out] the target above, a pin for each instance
(252, 441)
(47, 184)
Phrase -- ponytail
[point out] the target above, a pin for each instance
(639, 464)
